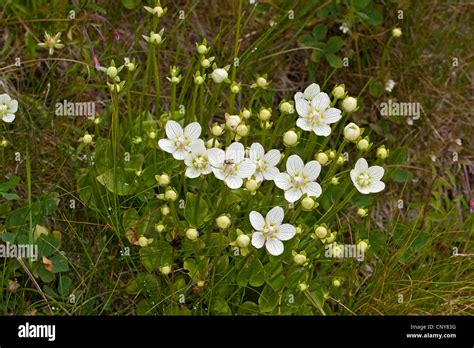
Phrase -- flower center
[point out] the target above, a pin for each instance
(270, 231)
(181, 142)
(3, 108)
(229, 168)
(200, 161)
(261, 165)
(363, 179)
(298, 181)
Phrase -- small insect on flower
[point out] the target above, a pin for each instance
(367, 179)
(179, 141)
(270, 231)
(51, 42)
(8, 108)
(231, 166)
(299, 179)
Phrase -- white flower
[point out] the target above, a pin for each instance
(231, 166)
(270, 231)
(344, 28)
(8, 107)
(265, 163)
(365, 179)
(196, 160)
(179, 142)
(389, 85)
(317, 115)
(299, 179)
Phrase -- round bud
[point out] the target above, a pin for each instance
(331, 237)
(87, 139)
(362, 246)
(351, 132)
(235, 89)
(192, 234)
(201, 283)
(251, 185)
(299, 259)
(298, 230)
(232, 121)
(152, 135)
(340, 160)
(322, 158)
(205, 63)
(290, 138)
(163, 180)
(223, 222)
(307, 203)
(242, 130)
(332, 154)
(338, 92)
(171, 195)
(246, 114)
(243, 241)
(321, 232)
(112, 72)
(396, 32)
(155, 38)
(336, 283)
(362, 212)
(202, 49)
(219, 75)
(349, 104)
(142, 241)
(335, 180)
(217, 130)
(198, 80)
(264, 114)
(165, 210)
(159, 228)
(363, 144)
(382, 152)
(261, 82)
(165, 270)
(286, 108)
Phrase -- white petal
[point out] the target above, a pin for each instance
(256, 220)
(274, 246)
(235, 151)
(167, 145)
(376, 187)
(258, 239)
(332, 115)
(258, 176)
(256, 152)
(313, 189)
(299, 95)
(245, 169)
(8, 118)
(302, 106)
(375, 172)
(273, 157)
(271, 173)
(304, 124)
(361, 165)
(293, 195)
(180, 154)
(275, 216)
(321, 102)
(283, 181)
(233, 181)
(219, 174)
(364, 190)
(286, 232)
(323, 130)
(192, 172)
(5, 98)
(207, 170)
(311, 91)
(173, 129)
(188, 160)
(311, 170)
(197, 147)
(13, 106)
(294, 165)
(216, 156)
(193, 130)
